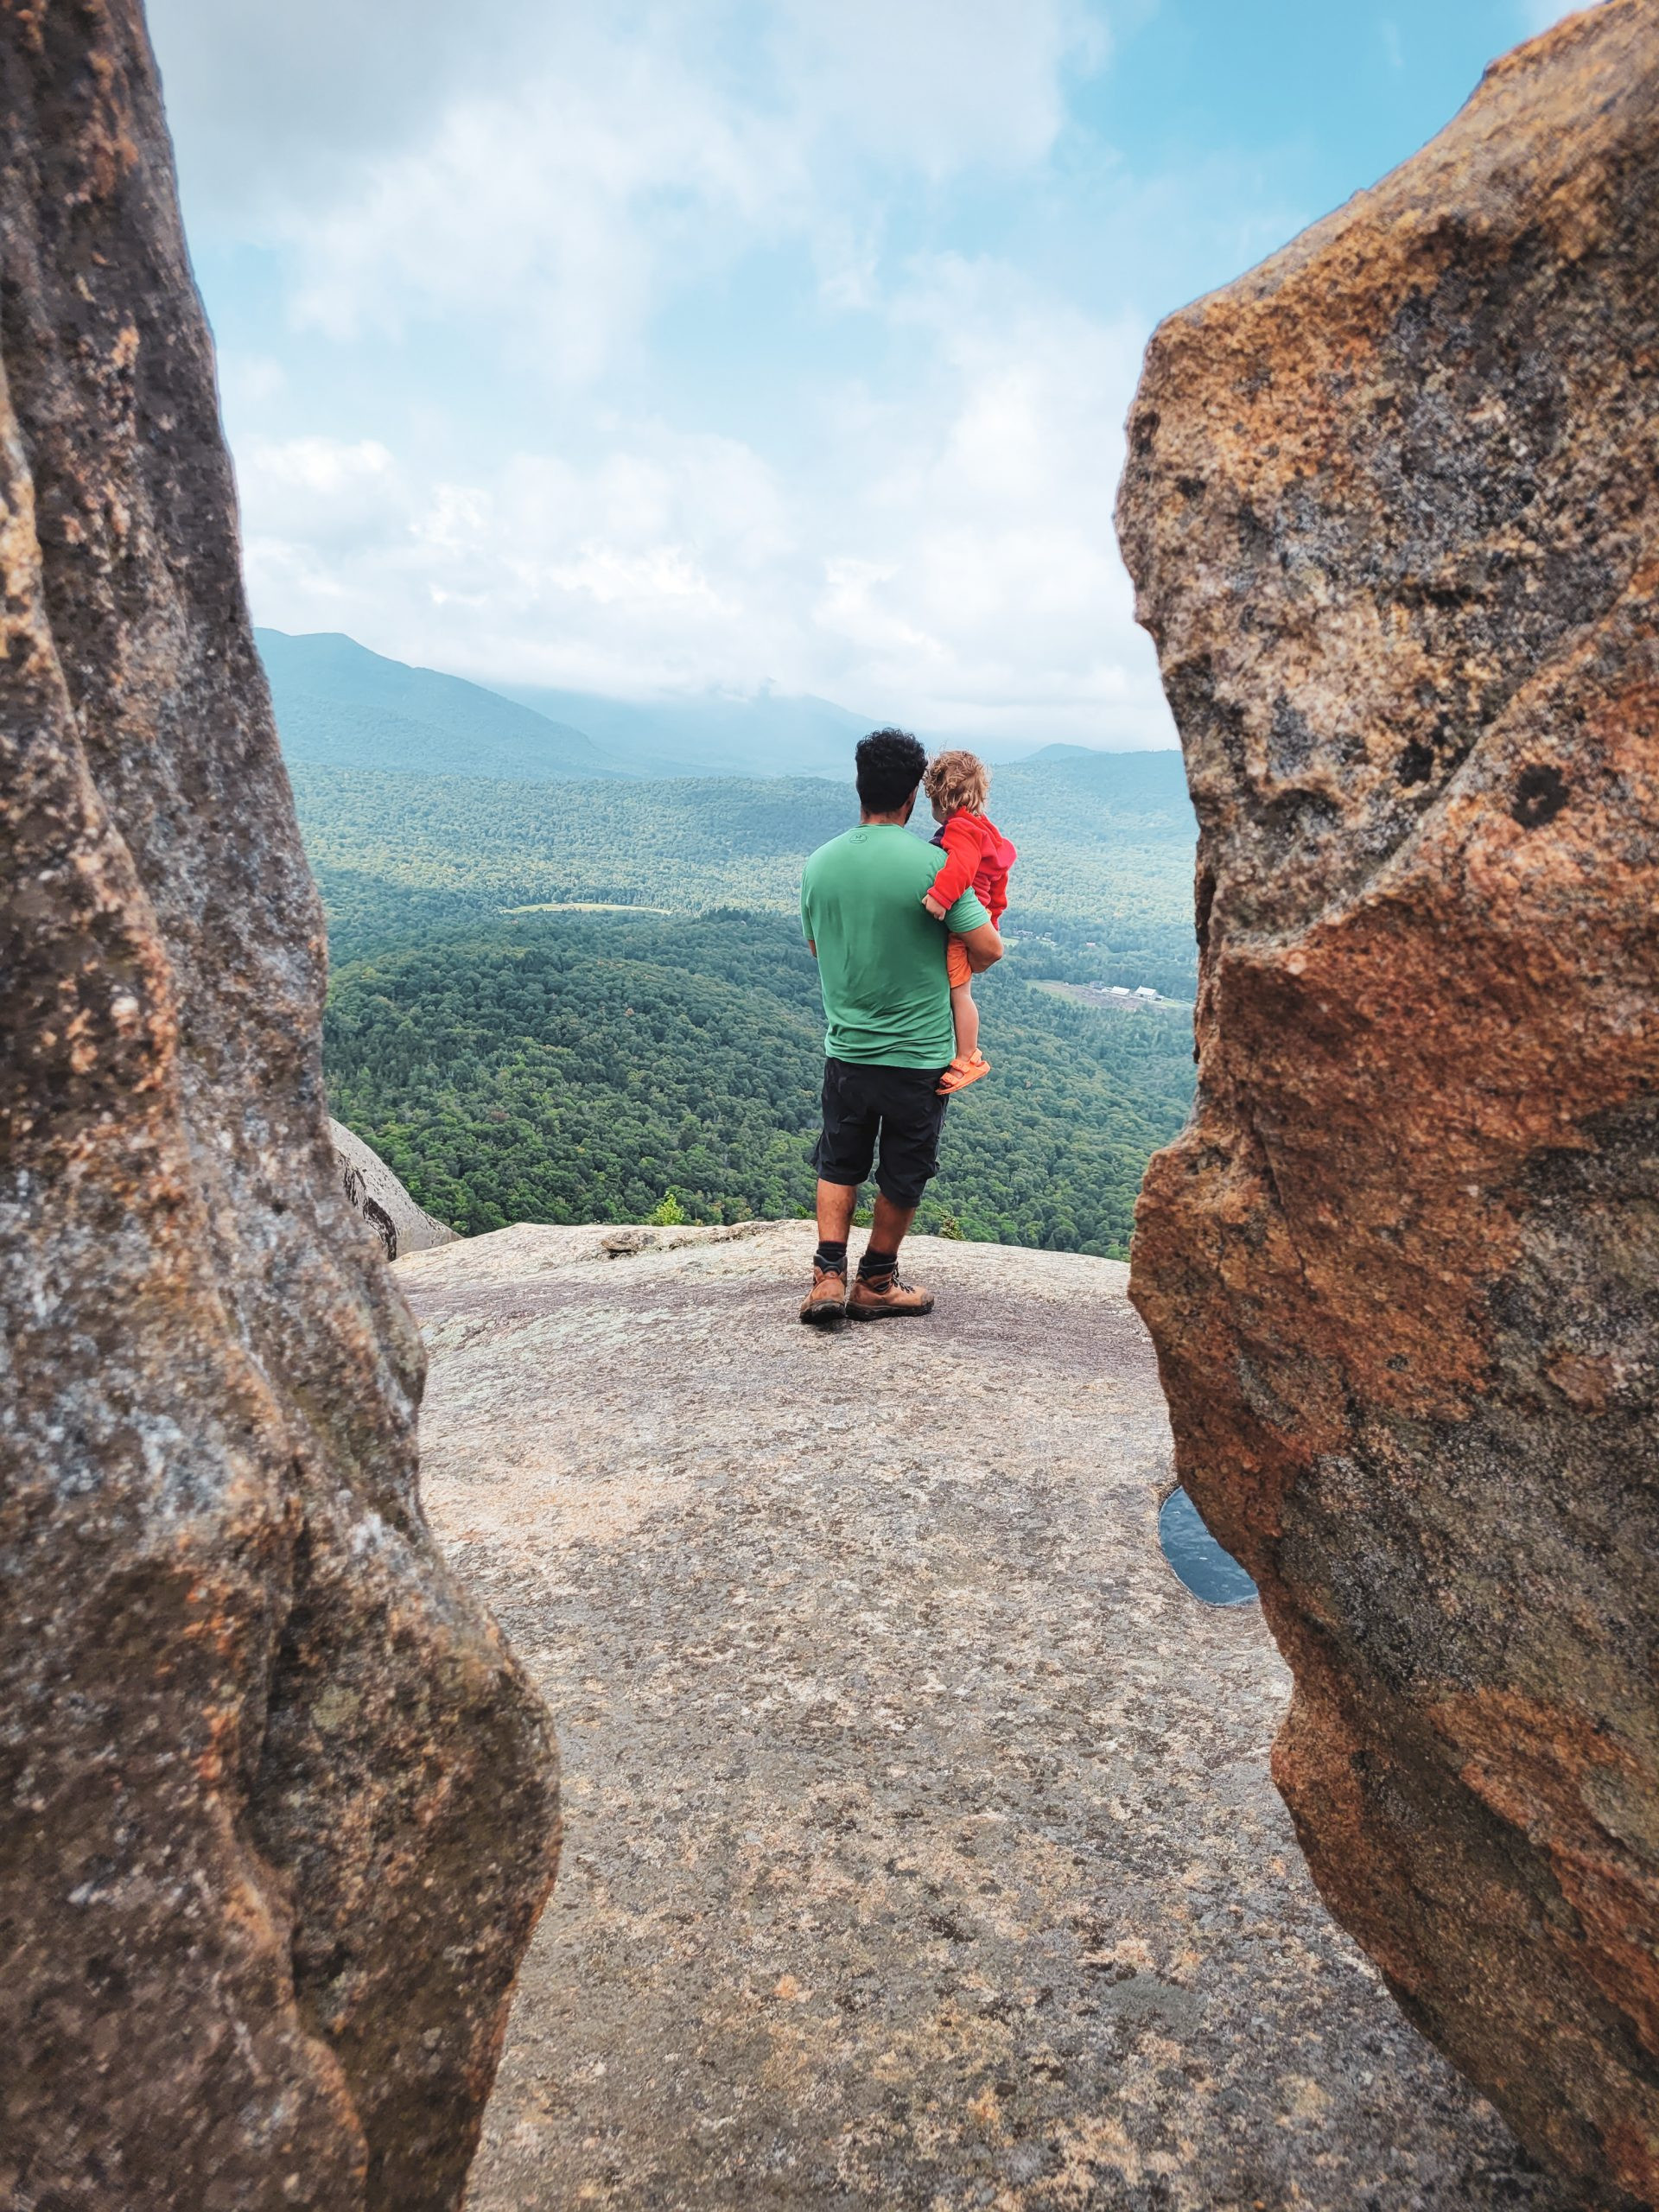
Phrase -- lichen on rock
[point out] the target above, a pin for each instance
(1392, 515)
(279, 1807)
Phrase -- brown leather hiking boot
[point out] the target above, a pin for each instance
(825, 1305)
(894, 1301)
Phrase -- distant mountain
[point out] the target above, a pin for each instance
(1118, 786)
(755, 733)
(713, 733)
(340, 706)
(1105, 878)
(1053, 754)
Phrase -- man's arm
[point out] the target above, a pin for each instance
(812, 948)
(982, 946)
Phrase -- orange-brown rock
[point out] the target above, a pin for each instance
(276, 1806)
(1392, 508)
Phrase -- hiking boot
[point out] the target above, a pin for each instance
(825, 1305)
(892, 1301)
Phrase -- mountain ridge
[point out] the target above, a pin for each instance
(765, 733)
(339, 705)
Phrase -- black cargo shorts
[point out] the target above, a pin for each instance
(898, 1110)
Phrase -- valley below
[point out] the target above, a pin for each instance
(568, 1001)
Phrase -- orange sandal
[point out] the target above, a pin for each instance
(961, 1073)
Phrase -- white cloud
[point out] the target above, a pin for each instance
(932, 541)
(933, 85)
(949, 562)
(604, 157)
(288, 99)
(982, 586)
(274, 106)
(653, 563)
(336, 497)
(562, 212)
(251, 381)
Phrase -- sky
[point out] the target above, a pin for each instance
(654, 349)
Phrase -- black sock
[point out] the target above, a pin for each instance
(877, 1268)
(833, 1256)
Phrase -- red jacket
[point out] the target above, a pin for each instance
(977, 854)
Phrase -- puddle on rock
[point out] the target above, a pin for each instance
(1207, 1571)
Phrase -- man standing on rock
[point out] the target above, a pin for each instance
(887, 1001)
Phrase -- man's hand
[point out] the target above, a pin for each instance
(983, 947)
(933, 906)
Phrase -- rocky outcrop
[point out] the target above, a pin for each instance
(380, 1201)
(278, 1808)
(1391, 510)
(923, 1850)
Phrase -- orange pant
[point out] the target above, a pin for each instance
(956, 962)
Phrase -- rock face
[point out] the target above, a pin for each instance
(922, 1847)
(379, 1199)
(278, 1807)
(1391, 510)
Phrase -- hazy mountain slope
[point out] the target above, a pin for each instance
(1158, 772)
(769, 734)
(1104, 875)
(1105, 793)
(339, 705)
(727, 734)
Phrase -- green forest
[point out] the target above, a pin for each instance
(568, 1067)
(516, 1053)
(1102, 892)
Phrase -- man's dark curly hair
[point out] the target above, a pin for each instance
(891, 763)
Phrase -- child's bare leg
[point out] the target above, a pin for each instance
(965, 1014)
(968, 1066)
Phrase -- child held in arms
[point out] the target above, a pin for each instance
(976, 854)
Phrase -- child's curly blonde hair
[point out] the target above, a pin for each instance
(958, 780)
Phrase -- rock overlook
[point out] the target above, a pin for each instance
(921, 1848)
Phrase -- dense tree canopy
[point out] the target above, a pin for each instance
(1103, 884)
(577, 1068)
(518, 1051)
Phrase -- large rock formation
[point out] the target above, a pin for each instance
(1391, 508)
(278, 1807)
(375, 1196)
